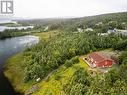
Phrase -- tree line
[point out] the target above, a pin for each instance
(47, 56)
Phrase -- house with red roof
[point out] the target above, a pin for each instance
(97, 59)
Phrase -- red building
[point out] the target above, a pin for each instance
(98, 60)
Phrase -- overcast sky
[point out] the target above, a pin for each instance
(66, 8)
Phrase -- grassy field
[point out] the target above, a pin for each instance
(54, 85)
(46, 35)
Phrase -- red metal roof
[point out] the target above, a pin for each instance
(98, 57)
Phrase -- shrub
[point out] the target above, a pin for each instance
(68, 63)
(72, 61)
(75, 59)
(123, 58)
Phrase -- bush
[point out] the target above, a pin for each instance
(68, 63)
(123, 58)
(74, 60)
(121, 45)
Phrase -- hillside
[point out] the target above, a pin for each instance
(55, 66)
(120, 17)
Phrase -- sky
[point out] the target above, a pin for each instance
(66, 8)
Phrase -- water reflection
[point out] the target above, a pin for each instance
(11, 46)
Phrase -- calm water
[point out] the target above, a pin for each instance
(9, 47)
(2, 28)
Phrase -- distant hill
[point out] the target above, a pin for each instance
(121, 16)
(72, 23)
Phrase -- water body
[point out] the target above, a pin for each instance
(9, 47)
(2, 28)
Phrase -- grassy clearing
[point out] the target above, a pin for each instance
(56, 81)
(54, 85)
(46, 35)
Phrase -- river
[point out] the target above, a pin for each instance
(8, 48)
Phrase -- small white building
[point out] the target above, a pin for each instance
(89, 29)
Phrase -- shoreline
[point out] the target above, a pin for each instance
(13, 64)
(6, 85)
